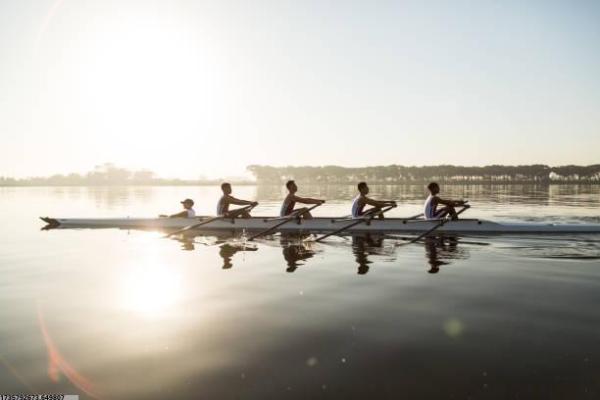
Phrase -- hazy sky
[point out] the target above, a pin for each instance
(191, 88)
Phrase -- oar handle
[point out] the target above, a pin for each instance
(248, 207)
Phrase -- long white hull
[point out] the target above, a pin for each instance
(322, 225)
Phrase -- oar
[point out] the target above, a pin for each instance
(413, 217)
(361, 220)
(207, 221)
(285, 221)
(349, 218)
(421, 236)
(405, 238)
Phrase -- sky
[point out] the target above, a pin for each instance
(205, 88)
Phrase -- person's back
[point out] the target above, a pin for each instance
(287, 207)
(429, 207)
(222, 205)
(358, 205)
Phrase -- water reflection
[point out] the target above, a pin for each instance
(439, 250)
(573, 195)
(295, 251)
(228, 250)
(442, 250)
(150, 287)
(229, 244)
(113, 197)
(362, 247)
(154, 316)
(187, 243)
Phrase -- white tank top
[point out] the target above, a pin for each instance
(428, 210)
(191, 213)
(356, 207)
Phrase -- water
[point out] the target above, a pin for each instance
(117, 314)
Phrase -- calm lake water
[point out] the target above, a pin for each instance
(116, 314)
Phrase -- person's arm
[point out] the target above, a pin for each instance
(379, 203)
(239, 202)
(452, 203)
(182, 214)
(307, 200)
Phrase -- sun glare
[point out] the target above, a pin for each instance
(131, 80)
(150, 288)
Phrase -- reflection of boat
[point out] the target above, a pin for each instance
(323, 225)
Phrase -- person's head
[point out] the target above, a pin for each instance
(363, 269)
(433, 188)
(291, 186)
(226, 188)
(188, 203)
(363, 188)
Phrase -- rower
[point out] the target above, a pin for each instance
(291, 199)
(360, 201)
(227, 199)
(431, 209)
(188, 211)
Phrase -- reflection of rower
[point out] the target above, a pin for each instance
(431, 206)
(439, 250)
(359, 203)
(291, 199)
(227, 199)
(187, 243)
(362, 246)
(431, 252)
(294, 252)
(228, 250)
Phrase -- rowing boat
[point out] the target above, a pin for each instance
(323, 224)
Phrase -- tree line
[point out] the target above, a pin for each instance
(398, 174)
(108, 174)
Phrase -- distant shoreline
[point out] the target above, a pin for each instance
(372, 183)
(109, 175)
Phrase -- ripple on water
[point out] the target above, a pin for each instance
(565, 247)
